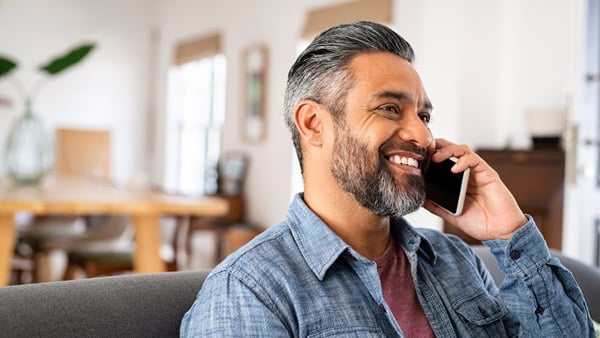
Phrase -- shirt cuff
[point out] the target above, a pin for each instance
(524, 254)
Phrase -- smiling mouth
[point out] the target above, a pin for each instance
(404, 160)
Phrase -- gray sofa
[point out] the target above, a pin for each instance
(152, 305)
(149, 305)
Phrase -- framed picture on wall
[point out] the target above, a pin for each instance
(255, 62)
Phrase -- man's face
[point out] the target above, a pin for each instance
(383, 141)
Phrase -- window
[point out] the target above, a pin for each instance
(195, 117)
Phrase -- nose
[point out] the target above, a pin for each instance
(415, 131)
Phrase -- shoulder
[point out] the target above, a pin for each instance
(272, 244)
(241, 294)
(266, 259)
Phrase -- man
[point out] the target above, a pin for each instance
(344, 262)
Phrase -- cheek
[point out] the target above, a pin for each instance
(379, 133)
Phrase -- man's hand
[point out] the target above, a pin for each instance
(490, 210)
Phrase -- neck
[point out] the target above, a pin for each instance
(365, 232)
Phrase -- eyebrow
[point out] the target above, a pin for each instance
(401, 96)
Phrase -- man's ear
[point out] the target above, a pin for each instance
(309, 118)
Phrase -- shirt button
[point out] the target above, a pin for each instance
(539, 310)
(382, 308)
(515, 254)
(484, 313)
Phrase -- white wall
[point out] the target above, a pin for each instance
(107, 90)
(483, 63)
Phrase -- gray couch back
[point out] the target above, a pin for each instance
(147, 305)
(152, 305)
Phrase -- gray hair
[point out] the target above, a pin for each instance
(322, 71)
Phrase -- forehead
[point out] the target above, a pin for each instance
(382, 71)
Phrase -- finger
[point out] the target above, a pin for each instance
(469, 160)
(446, 149)
(441, 150)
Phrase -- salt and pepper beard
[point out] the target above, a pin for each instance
(370, 182)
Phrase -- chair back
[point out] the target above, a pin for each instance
(83, 153)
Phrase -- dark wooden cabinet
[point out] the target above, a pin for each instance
(536, 179)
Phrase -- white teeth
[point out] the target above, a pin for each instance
(397, 159)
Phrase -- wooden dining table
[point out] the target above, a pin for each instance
(80, 196)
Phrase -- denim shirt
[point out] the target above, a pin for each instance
(299, 279)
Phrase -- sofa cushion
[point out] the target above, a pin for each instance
(144, 305)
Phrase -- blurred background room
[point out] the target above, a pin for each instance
(191, 93)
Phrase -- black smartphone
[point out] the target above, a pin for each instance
(445, 188)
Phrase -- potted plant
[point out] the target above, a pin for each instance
(29, 152)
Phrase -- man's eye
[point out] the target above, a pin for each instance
(391, 109)
(425, 117)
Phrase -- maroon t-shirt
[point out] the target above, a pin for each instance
(400, 294)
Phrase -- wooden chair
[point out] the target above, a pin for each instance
(79, 153)
(22, 264)
(83, 153)
(118, 259)
(87, 153)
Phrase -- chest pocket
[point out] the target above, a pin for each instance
(482, 315)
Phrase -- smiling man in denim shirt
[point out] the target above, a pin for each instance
(344, 262)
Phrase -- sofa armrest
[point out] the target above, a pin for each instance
(145, 305)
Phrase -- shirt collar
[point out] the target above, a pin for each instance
(412, 240)
(321, 247)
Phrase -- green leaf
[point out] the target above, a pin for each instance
(65, 61)
(6, 65)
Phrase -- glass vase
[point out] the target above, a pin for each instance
(29, 149)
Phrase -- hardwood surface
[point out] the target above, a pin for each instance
(78, 196)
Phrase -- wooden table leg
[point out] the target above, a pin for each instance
(147, 245)
(7, 244)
